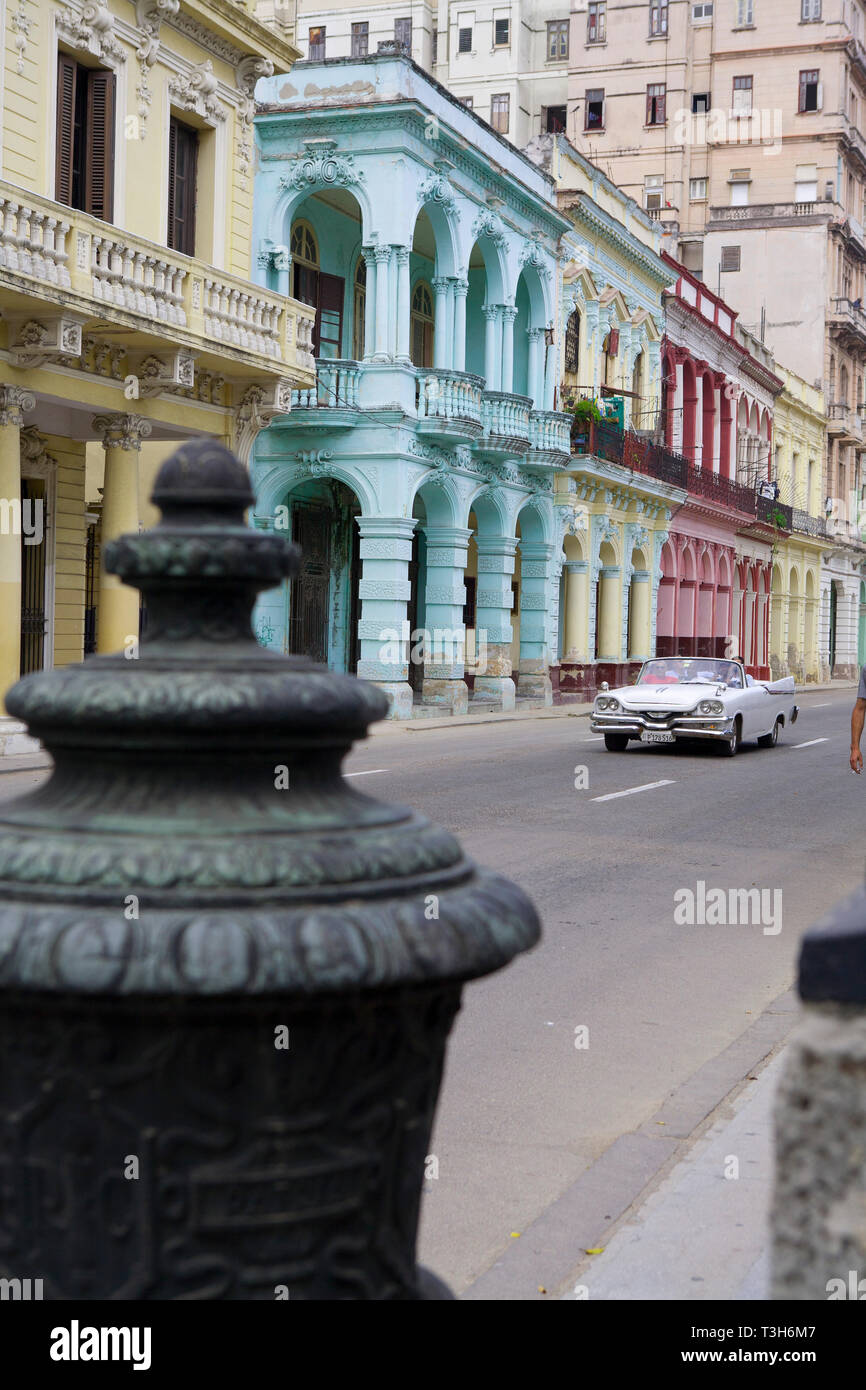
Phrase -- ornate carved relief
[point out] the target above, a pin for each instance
(34, 341)
(91, 28)
(320, 164)
(248, 72)
(196, 91)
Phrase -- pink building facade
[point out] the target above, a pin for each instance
(718, 393)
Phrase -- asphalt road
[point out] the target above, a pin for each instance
(524, 1112)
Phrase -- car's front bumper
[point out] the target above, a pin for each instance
(632, 723)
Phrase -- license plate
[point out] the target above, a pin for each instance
(651, 736)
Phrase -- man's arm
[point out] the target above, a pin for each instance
(858, 716)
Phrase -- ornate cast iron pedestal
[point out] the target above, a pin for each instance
(227, 976)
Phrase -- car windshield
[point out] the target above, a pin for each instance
(677, 670)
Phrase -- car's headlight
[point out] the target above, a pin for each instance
(607, 702)
(711, 707)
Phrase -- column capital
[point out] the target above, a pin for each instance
(402, 254)
(386, 527)
(380, 254)
(490, 312)
(509, 311)
(14, 402)
(440, 284)
(121, 431)
(577, 566)
(461, 287)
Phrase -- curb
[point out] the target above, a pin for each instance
(619, 1180)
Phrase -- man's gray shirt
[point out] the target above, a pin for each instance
(861, 689)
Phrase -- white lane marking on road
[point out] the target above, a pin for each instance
(369, 773)
(647, 787)
(825, 704)
(810, 744)
(596, 738)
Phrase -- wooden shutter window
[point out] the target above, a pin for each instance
(99, 162)
(66, 82)
(182, 163)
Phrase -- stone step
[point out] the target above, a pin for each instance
(15, 740)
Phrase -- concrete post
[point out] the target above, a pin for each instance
(370, 303)
(403, 290)
(440, 321)
(509, 314)
(533, 678)
(639, 638)
(461, 289)
(383, 264)
(610, 613)
(118, 602)
(576, 609)
(818, 1219)
(490, 312)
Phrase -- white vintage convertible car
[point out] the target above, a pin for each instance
(694, 697)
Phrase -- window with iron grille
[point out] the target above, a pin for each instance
(84, 160)
(655, 104)
(360, 40)
(809, 90)
(317, 44)
(501, 33)
(403, 33)
(464, 40)
(658, 17)
(594, 113)
(730, 258)
(596, 22)
(434, 57)
(500, 108)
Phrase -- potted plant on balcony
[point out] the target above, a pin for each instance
(584, 413)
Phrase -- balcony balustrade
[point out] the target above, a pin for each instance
(90, 268)
(448, 402)
(506, 421)
(336, 387)
(550, 434)
(807, 524)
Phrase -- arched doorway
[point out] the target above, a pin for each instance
(422, 326)
(666, 603)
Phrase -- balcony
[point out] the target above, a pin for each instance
(448, 404)
(761, 214)
(844, 424)
(605, 440)
(148, 294)
(506, 422)
(847, 322)
(336, 390)
(807, 524)
(549, 437)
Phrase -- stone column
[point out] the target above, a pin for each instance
(445, 640)
(384, 590)
(440, 323)
(383, 296)
(549, 359)
(370, 303)
(536, 367)
(461, 289)
(118, 603)
(493, 634)
(610, 613)
(576, 609)
(533, 678)
(640, 645)
(403, 293)
(14, 401)
(509, 314)
(726, 460)
(491, 313)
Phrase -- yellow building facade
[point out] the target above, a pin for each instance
(799, 436)
(129, 318)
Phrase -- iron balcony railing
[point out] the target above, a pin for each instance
(807, 524)
(605, 440)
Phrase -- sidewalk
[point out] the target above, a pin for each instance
(701, 1234)
(657, 1203)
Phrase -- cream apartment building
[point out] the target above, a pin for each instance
(508, 62)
